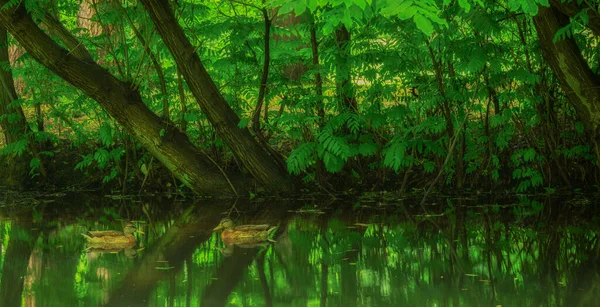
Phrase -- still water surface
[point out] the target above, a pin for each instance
(483, 252)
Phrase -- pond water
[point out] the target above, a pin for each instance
(477, 252)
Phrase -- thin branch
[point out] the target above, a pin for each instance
(247, 4)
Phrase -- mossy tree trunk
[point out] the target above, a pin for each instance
(250, 153)
(580, 85)
(122, 101)
(13, 122)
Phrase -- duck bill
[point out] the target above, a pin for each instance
(218, 228)
(140, 232)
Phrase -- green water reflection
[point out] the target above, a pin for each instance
(523, 253)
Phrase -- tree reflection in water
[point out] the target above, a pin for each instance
(525, 253)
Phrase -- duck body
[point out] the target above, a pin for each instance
(244, 234)
(113, 237)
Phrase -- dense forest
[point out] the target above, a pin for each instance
(230, 98)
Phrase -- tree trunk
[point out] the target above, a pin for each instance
(13, 122)
(248, 151)
(578, 82)
(265, 75)
(15, 128)
(314, 46)
(16, 258)
(56, 28)
(344, 88)
(572, 8)
(160, 138)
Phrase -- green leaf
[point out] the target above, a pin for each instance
(544, 2)
(465, 5)
(529, 155)
(367, 149)
(423, 24)
(514, 5)
(105, 134)
(392, 8)
(361, 3)
(407, 13)
(530, 7)
(300, 158)
(300, 7)
(244, 122)
(429, 166)
(288, 7)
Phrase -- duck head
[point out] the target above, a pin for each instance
(226, 224)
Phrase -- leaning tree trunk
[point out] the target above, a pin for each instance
(125, 104)
(254, 157)
(578, 82)
(571, 9)
(13, 122)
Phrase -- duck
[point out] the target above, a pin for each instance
(113, 237)
(243, 234)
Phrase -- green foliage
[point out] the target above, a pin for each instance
(301, 158)
(420, 72)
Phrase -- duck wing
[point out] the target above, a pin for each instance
(252, 227)
(104, 233)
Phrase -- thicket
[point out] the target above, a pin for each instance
(353, 94)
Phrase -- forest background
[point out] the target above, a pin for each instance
(232, 98)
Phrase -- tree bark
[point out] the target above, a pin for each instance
(248, 151)
(160, 138)
(314, 46)
(265, 74)
(344, 87)
(13, 122)
(578, 82)
(58, 29)
(572, 8)
(16, 126)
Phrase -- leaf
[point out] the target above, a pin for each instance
(105, 134)
(514, 5)
(288, 7)
(300, 7)
(361, 3)
(423, 24)
(530, 7)
(393, 8)
(429, 166)
(367, 149)
(34, 163)
(477, 60)
(333, 163)
(465, 5)
(544, 2)
(407, 13)
(394, 156)
(300, 158)
(529, 155)
(244, 122)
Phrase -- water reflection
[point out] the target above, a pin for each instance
(525, 253)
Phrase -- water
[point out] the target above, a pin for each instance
(483, 252)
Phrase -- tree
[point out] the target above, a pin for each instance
(15, 161)
(124, 103)
(249, 152)
(578, 82)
